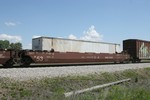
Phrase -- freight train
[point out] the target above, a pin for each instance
(133, 50)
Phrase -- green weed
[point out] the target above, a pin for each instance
(54, 88)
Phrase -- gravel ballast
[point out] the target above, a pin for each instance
(31, 73)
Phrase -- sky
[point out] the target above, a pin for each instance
(97, 20)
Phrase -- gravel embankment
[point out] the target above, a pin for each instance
(31, 73)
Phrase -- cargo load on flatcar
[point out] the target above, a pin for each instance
(71, 45)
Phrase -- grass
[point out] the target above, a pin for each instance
(53, 88)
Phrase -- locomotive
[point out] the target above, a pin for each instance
(133, 50)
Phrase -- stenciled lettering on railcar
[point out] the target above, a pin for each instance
(109, 57)
(39, 58)
(90, 57)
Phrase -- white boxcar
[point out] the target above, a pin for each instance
(69, 45)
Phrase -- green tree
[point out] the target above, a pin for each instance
(12, 46)
(1, 44)
(4, 44)
(16, 46)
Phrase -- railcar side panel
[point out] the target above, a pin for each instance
(138, 49)
(74, 57)
(5, 56)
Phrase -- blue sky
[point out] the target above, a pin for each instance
(99, 20)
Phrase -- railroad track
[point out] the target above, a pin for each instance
(60, 65)
(68, 64)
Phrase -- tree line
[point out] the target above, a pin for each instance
(5, 44)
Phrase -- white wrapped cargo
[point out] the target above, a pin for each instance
(69, 45)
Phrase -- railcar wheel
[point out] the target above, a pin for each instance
(26, 61)
(9, 63)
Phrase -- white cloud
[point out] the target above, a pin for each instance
(71, 36)
(10, 38)
(92, 35)
(36, 36)
(10, 24)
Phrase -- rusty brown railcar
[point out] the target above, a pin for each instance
(138, 49)
(7, 57)
(70, 57)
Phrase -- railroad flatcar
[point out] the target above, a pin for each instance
(137, 49)
(28, 57)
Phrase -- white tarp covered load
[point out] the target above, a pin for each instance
(69, 45)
